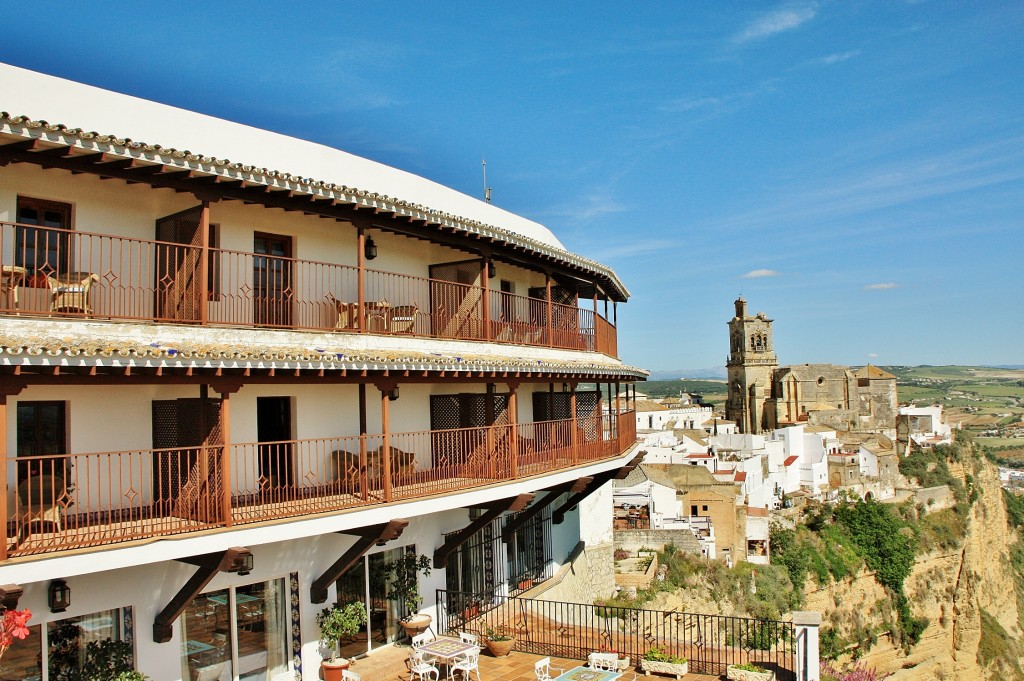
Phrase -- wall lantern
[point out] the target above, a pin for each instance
(491, 269)
(370, 248)
(59, 596)
(244, 564)
(393, 394)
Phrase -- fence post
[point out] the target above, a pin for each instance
(807, 624)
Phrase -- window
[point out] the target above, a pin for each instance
(46, 248)
(240, 628)
(68, 641)
(42, 433)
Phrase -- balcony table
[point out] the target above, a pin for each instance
(447, 649)
(587, 674)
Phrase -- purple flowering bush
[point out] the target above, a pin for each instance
(852, 672)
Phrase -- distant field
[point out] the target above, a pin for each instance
(998, 390)
(667, 388)
(1017, 442)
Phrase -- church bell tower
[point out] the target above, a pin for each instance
(750, 368)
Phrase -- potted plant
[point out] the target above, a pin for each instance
(748, 672)
(338, 622)
(499, 640)
(658, 661)
(404, 588)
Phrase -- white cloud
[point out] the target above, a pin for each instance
(837, 57)
(777, 21)
(758, 274)
(881, 287)
(872, 355)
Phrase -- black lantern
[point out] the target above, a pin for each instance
(491, 269)
(245, 564)
(59, 596)
(370, 248)
(393, 394)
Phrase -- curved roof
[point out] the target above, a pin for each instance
(46, 102)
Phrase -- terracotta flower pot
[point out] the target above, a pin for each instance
(500, 648)
(416, 624)
(330, 670)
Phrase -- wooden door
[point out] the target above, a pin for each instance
(177, 286)
(273, 289)
(186, 479)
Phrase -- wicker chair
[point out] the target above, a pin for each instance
(70, 292)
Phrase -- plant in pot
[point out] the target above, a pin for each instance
(404, 588)
(659, 661)
(499, 640)
(336, 623)
(748, 672)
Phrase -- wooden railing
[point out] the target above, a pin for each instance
(80, 500)
(56, 272)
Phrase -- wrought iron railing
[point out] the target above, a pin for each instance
(710, 643)
(68, 273)
(72, 501)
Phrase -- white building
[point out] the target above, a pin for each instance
(242, 372)
(924, 426)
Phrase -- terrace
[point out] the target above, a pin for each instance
(53, 272)
(74, 501)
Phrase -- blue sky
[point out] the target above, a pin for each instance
(855, 169)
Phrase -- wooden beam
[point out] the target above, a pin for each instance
(495, 509)
(208, 566)
(368, 536)
(513, 524)
(10, 594)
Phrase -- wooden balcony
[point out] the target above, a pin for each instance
(73, 274)
(72, 501)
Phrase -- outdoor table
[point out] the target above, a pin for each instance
(587, 674)
(446, 649)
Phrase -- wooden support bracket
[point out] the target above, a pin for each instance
(368, 536)
(10, 594)
(494, 509)
(513, 524)
(209, 565)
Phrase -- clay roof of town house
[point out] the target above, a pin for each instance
(741, 476)
(642, 474)
(871, 371)
(105, 344)
(649, 405)
(756, 512)
(698, 436)
(700, 455)
(790, 460)
(49, 100)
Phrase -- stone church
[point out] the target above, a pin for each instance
(764, 396)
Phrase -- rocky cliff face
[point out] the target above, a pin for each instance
(955, 590)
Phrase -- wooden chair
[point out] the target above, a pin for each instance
(71, 291)
(402, 318)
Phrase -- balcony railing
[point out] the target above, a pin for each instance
(57, 272)
(80, 500)
(710, 643)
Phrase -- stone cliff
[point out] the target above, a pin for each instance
(964, 593)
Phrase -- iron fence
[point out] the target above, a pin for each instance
(710, 643)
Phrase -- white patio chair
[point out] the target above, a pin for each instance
(346, 675)
(421, 639)
(466, 664)
(421, 667)
(467, 637)
(608, 662)
(544, 671)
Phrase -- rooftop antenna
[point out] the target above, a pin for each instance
(487, 190)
